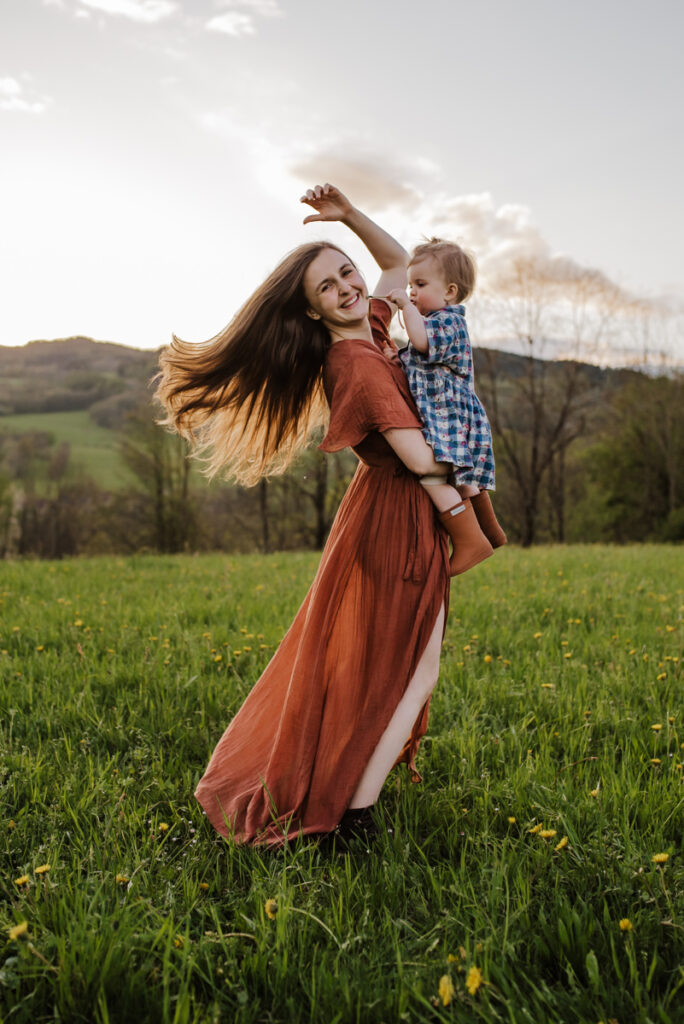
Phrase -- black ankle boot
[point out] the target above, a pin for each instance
(356, 823)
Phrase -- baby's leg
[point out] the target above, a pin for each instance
(457, 516)
(442, 495)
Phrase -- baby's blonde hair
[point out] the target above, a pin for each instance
(458, 266)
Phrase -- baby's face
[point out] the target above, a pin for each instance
(427, 286)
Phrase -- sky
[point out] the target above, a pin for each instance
(153, 152)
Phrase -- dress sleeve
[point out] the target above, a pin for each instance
(448, 341)
(380, 316)
(364, 396)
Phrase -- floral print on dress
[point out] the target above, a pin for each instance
(442, 380)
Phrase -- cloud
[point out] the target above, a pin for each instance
(239, 19)
(13, 98)
(364, 177)
(144, 11)
(234, 23)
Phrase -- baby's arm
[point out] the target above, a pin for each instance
(415, 326)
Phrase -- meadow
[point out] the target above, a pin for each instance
(535, 875)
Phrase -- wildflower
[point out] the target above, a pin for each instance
(446, 989)
(19, 929)
(42, 869)
(473, 980)
(594, 792)
(548, 833)
(487, 659)
(219, 657)
(562, 844)
(23, 880)
(547, 686)
(511, 820)
(535, 829)
(568, 655)
(671, 719)
(451, 959)
(163, 827)
(122, 879)
(661, 676)
(204, 885)
(247, 649)
(40, 647)
(564, 643)
(271, 908)
(11, 824)
(78, 622)
(537, 636)
(625, 924)
(179, 942)
(657, 727)
(660, 858)
(237, 653)
(670, 629)
(655, 760)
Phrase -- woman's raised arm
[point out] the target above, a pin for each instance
(332, 205)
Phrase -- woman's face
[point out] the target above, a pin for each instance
(335, 291)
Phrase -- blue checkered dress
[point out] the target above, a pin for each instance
(441, 382)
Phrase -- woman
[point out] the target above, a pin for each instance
(346, 694)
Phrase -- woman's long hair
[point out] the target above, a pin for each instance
(248, 399)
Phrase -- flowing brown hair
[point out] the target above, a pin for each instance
(248, 399)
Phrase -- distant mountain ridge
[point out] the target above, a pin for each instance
(81, 373)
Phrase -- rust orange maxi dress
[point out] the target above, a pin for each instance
(292, 757)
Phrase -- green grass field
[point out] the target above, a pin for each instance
(552, 778)
(94, 449)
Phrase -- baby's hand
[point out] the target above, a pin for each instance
(399, 297)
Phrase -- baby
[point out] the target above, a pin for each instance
(439, 368)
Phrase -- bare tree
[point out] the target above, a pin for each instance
(559, 314)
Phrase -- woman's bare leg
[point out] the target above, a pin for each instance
(395, 735)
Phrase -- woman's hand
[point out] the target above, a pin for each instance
(328, 202)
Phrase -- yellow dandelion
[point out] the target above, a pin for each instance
(536, 829)
(511, 820)
(537, 636)
(564, 643)
(446, 989)
(237, 653)
(204, 885)
(626, 925)
(78, 622)
(19, 929)
(247, 649)
(547, 686)
(657, 726)
(42, 869)
(473, 980)
(271, 908)
(661, 676)
(122, 879)
(11, 824)
(671, 719)
(487, 659)
(660, 858)
(22, 880)
(568, 655)
(219, 657)
(562, 844)
(655, 760)
(594, 792)
(670, 629)
(40, 647)
(163, 827)
(548, 833)
(179, 942)
(633, 651)
(451, 959)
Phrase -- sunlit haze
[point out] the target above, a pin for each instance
(154, 151)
